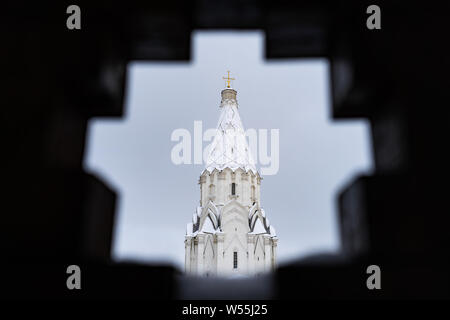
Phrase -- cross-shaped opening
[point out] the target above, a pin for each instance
(157, 197)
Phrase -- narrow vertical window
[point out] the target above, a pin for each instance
(233, 189)
(235, 260)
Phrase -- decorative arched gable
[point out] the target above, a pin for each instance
(211, 213)
(234, 212)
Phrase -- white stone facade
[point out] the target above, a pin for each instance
(230, 234)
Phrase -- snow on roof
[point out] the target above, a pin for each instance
(229, 148)
(214, 206)
(263, 212)
(273, 233)
(258, 228)
(189, 228)
(208, 226)
(257, 222)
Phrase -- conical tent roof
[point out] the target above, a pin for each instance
(229, 148)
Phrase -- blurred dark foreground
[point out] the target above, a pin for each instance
(55, 214)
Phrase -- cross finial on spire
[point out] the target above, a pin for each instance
(228, 79)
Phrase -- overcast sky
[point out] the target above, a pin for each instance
(157, 198)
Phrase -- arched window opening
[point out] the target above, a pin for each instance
(233, 189)
(235, 260)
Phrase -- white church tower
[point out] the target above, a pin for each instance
(230, 234)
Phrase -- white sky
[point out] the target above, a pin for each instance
(158, 198)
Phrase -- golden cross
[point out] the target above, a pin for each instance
(228, 79)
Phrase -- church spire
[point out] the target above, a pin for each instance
(230, 234)
(229, 148)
